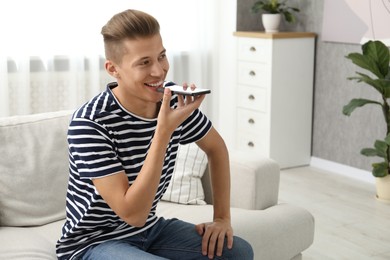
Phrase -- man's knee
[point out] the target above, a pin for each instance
(241, 249)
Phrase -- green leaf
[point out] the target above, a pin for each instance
(387, 139)
(386, 87)
(379, 53)
(259, 5)
(375, 58)
(388, 74)
(380, 169)
(378, 84)
(355, 103)
(365, 62)
(381, 148)
(371, 152)
(289, 17)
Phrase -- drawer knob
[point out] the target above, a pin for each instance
(252, 49)
(251, 97)
(252, 73)
(251, 144)
(251, 121)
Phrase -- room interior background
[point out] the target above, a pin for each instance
(52, 58)
(64, 37)
(336, 138)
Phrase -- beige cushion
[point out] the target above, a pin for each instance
(33, 168)
(31, 243)
(186, 186)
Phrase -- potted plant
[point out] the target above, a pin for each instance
(375, 58)
(272, 11)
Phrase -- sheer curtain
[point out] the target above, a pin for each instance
(51, 52)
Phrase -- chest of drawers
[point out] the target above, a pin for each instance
(274, 95)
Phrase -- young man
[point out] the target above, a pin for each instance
(122, 150)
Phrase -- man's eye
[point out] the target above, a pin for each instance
(163, 56)
(145, 62)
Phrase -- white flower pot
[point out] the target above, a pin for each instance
(383, 189)
(271, 22)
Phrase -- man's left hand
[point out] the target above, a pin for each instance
(214, 234)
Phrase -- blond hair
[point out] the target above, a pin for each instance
(129, 24)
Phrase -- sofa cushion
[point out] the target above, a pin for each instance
(31, 243)
(186, 185)
(33, 168)
(278, 232)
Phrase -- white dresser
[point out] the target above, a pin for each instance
(274, 95)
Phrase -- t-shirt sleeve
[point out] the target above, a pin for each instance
(195, 127)
(91, 149)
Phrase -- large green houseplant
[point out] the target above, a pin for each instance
(375, 58)
(272, 11)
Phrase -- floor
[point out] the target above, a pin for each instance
(350, 222)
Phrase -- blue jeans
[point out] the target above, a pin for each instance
(167, 239)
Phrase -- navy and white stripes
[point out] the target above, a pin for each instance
(105, 139)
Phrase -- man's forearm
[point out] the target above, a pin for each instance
(220, 179)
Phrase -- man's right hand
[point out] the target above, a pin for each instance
(169, 119)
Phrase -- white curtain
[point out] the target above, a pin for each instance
(51, 51)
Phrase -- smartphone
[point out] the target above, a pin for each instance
(176, 89)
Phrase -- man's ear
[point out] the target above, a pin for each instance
(111, 68)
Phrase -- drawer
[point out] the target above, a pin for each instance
(256, 74)
(252, 122)
(252, 143)
(252, 98)
(250, 49)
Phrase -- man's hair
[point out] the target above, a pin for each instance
(129, 24)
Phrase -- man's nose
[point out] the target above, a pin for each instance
(157, 69)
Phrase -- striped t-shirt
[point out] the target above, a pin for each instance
(104, 139)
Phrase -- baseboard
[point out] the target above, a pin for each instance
(345, 170)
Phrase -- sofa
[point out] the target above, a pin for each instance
(33, 182)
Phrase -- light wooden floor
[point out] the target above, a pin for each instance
(350, 222)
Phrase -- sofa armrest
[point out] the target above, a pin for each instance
(254, 181)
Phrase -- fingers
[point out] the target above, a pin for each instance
(166, 98)
(200, 228)
(229, 236)
(185, 86)
(216, 242)
(205, 243)
(180, 100)
(188, 100)
(213, 241)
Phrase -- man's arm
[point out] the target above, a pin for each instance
(133, 203)
(218, 159)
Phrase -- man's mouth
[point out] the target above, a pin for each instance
(154, 85)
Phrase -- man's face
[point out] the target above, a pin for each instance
(143, 68)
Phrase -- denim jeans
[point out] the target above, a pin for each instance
(167, 239)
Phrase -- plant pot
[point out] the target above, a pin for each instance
(271, 22)
(383, 189)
